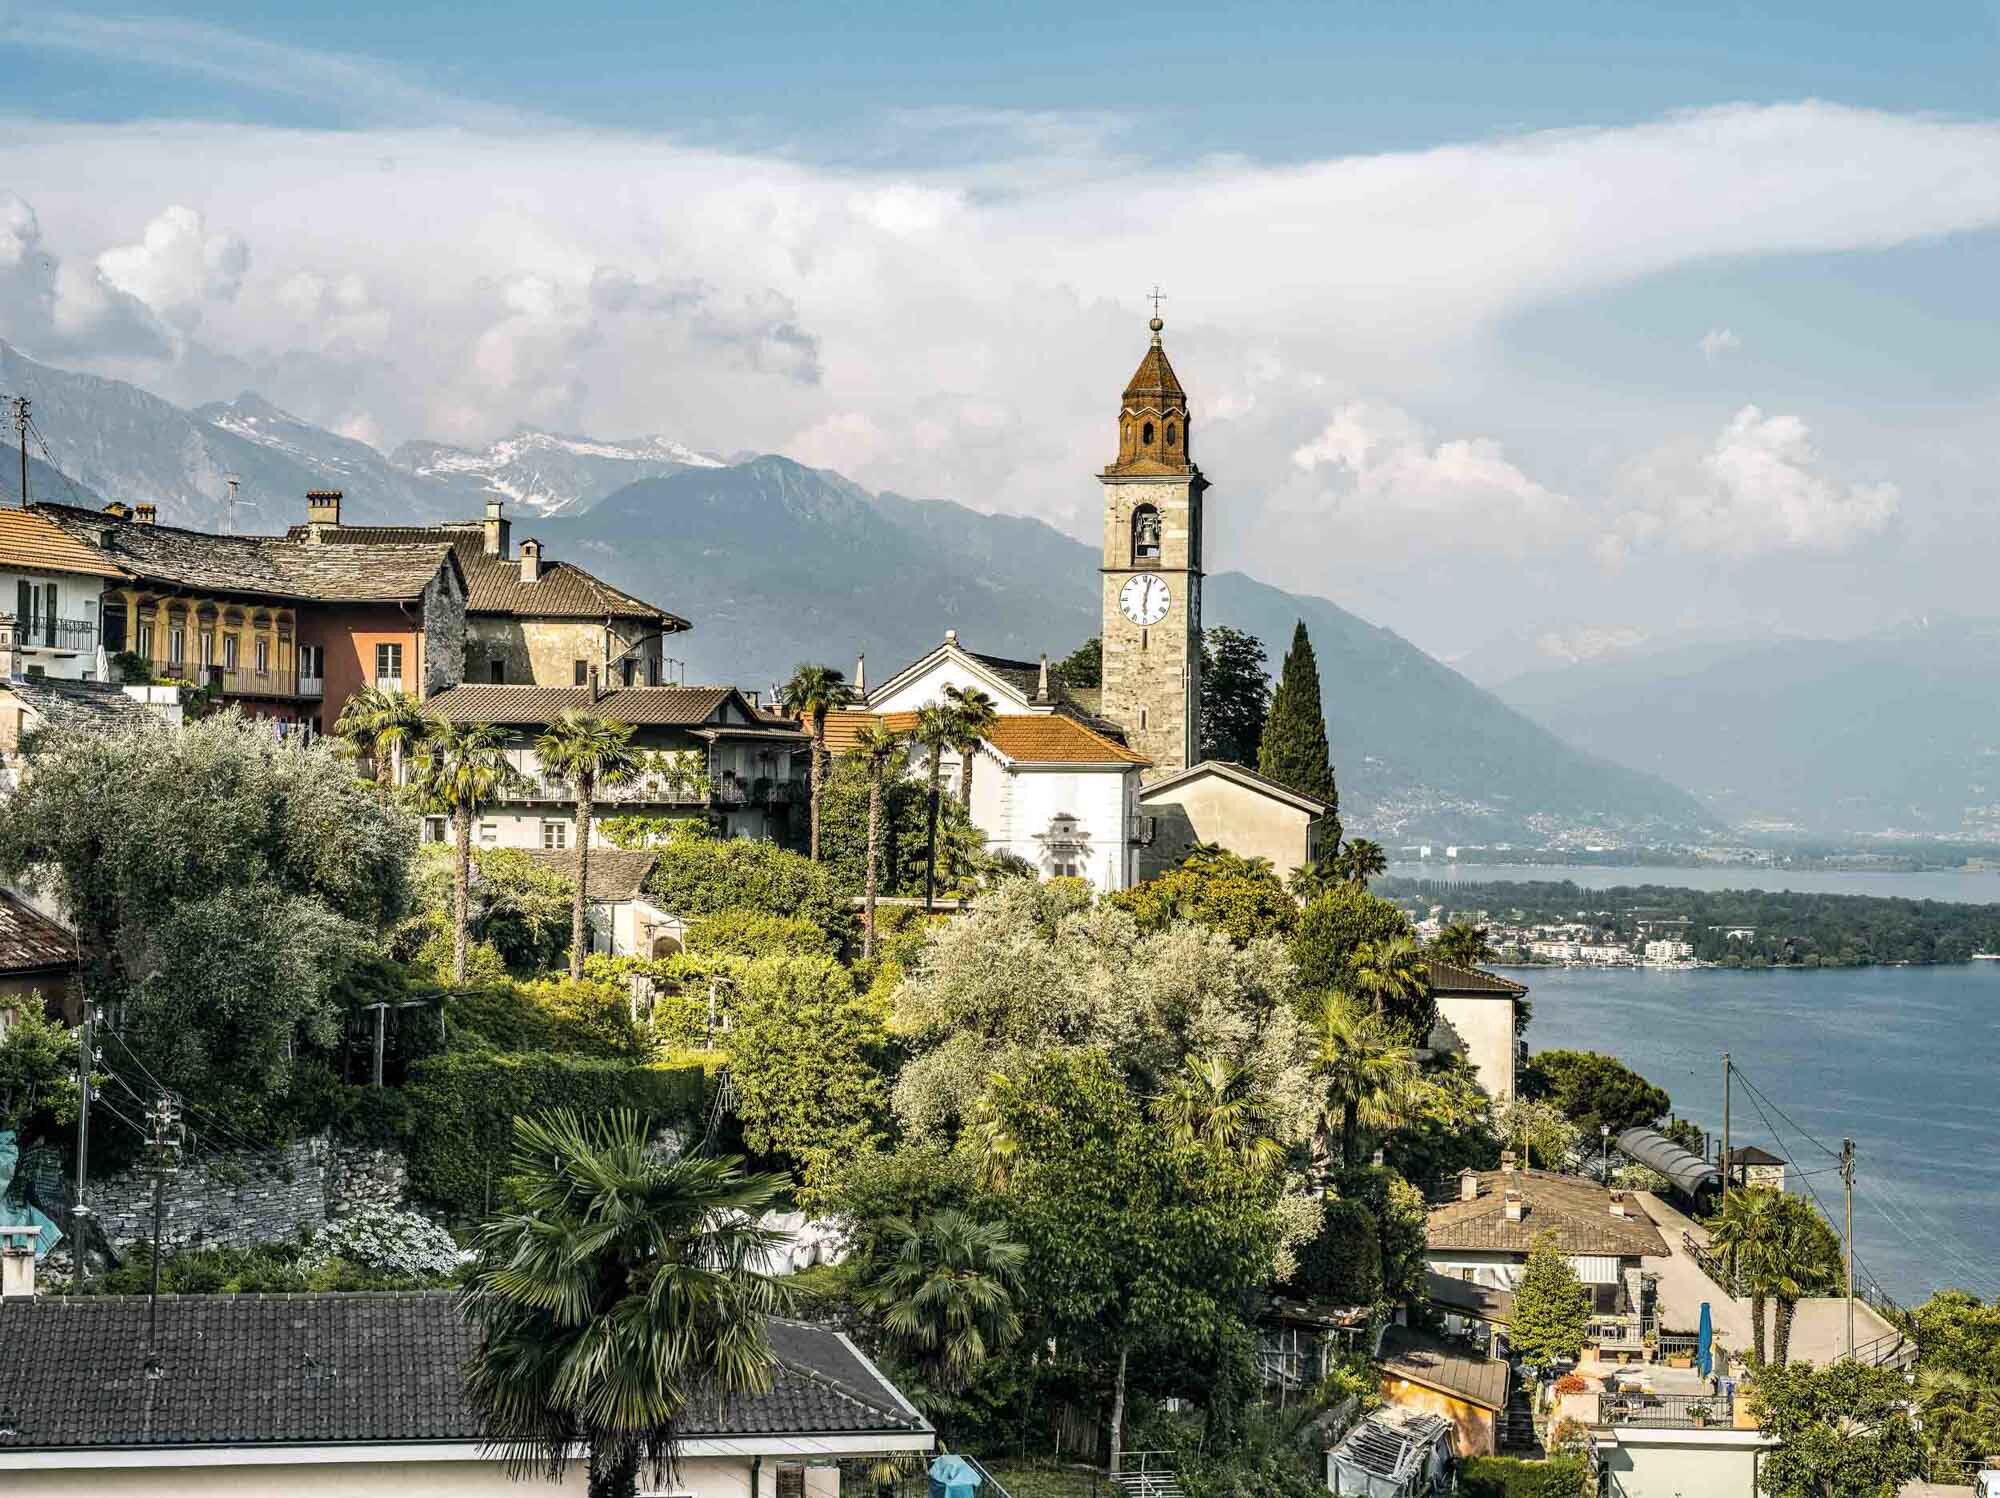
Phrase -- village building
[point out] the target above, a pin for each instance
(624, 920)
(1425, 1374)
(1751, 1166)
(37, 962)
(281, 631)
(51, 590)
(530, 619)
(362, 1394)
(710, 755)
(1478, 1018)
(1218, 802)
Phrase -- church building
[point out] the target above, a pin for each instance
(1107, 783)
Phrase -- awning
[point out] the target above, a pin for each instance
(1689, 1173)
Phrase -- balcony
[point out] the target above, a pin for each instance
(68, 636)
(1667, 1411)
(245, 681)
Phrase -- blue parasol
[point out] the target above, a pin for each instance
(1704, 1347)
(953, 1477)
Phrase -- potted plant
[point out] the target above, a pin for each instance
(1699, 1414)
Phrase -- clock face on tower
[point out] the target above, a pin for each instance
(1144, 599)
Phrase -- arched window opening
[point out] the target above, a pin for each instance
(1146, 435)
(1172, 435)
(1145, 534)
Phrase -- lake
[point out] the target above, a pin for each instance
(1970, 888)
(1903, 1060)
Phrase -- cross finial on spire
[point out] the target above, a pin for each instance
(1156, 296)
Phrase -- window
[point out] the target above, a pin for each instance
(555, 835)
(582, 673)
(498, 671)
(1142, 719)
(312, 661)
(177, 641)
(434, 829)
(489, 834)
(229, 652)
(628, 671)
(262, 655)
(1146, 435)
(1145, 534)
(145, 641)
(1171, 434)
(388, 666)
(207, 646)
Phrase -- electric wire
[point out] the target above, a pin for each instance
(50, 458)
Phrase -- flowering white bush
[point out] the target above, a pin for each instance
(388, 1242)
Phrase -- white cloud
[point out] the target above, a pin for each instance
(178, 267)
(1761, 485)
(1387, 477)
(1589, 642)
(1718, 341)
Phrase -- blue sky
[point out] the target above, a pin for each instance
(1528, 331)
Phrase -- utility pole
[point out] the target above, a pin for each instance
(1847, 1191)
(21, 428)
(1725, 1126)
(80, 1214)
(164, 1147)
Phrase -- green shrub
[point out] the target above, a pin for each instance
(755, 933)
(465, 1104)
(266, 1269)
(1342, 1266)
(590, 1018)
(1511, 1477)
(693, 878)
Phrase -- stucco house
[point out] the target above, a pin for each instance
(1218, 801)
(1477, 1019)
(51, 588)
(624, 921)
(1428, 1375)
(353, 1395)
(37, 960)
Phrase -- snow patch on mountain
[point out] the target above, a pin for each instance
(550, 473)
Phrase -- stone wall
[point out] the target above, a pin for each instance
(235, 1199)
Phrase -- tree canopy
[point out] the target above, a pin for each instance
(1235, 694)
(1843, 1430)
(1594, 1090)
(1294, 750)
(1551, 1308)
(1240, 897)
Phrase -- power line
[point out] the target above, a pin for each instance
(50, 459)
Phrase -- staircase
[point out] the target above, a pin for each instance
(1146, 1474)
(1517, 1422)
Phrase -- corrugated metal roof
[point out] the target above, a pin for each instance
(1689, 1172)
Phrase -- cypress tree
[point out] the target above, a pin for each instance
(1294, 750)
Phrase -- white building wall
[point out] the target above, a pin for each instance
(1485, 1022)
(1715, 1464)
(77, 600)
(1101, 800)
(928, 687)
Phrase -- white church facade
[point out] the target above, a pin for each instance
(1107, 783)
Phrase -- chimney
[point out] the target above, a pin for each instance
(1516, 1205)
(1618, 1207)
(1042, 681)
(146, 514)
(118, 511)
(861, 676)
(322, 512)
(1468, 1185)
(531, 560)
(1506, 1162)
(17, 1262)
(499, 530)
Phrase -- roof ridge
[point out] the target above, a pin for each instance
(836, 1386)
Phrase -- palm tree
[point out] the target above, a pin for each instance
(945, 1293)
(885, 752)
(1745, 1235)
(1959, 1413)
(975, 714)
(620, 1291)
(936, 731)
(1462, 944)
(1212, 1107)
(380, 724)
(1368, 1073)
(1388, 971)
(812, 693)
(591, 753)
(460, 768)
(1806, 1260)
(1361, 860)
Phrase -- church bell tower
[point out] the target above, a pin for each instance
(1152, 570)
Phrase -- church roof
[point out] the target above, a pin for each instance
(1154, 383)
(1024, 738)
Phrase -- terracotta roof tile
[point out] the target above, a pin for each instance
(534, 707)
(1449, 977)
(1577, 1211)
(1056, 739)
(29, 940)
(34, 543)
(264, 1370)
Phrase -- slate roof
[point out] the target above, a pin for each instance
(1436, 1364)
(493, 583)
(1482, 1302)
(95, 706)
(248, 1370)
(616, 874)
(259, 566)
(1750, 1154)
(1576, 1210)
(1450, 978)
(1244, 776)
(476, 702)
(34, 543)
(29, 941)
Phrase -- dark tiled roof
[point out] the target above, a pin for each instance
(493, 583)
(1448, 977)
(29, 941)
(1750, 1154)
(1577, 1211)
(1436, 1364)
(1479, 1301)
(475, 702)
(94, 706)
(315, 1369)
(615, 873)
(261, 566)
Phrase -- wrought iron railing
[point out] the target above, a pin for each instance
(1667, 1411)
(247, 681)
(40, 632)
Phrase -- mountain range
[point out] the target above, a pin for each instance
(1896, 733)
(777, 563)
